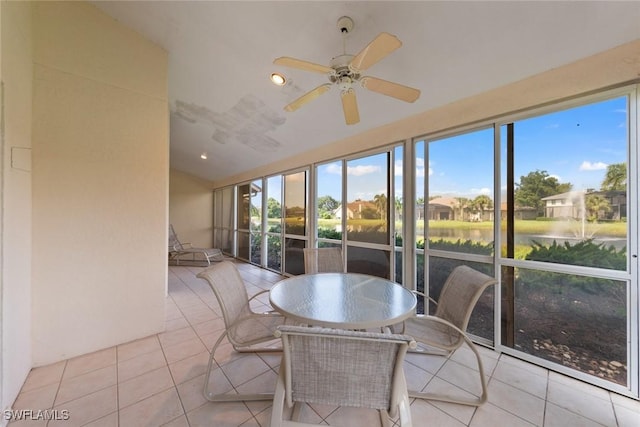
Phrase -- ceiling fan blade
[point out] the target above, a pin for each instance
(350, 107)
(380, 47)
(286, 61)
(307, 97)
(396, 90)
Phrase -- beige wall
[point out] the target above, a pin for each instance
(191, 209)
(100, 182)
(15, 205)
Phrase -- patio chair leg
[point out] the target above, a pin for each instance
(384, 418)
(277, 408)
(443, 398)
(227, 397)
(404, 411)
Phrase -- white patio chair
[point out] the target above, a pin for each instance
(243, 327)
(445, 330)
(323, 260)
(178, 249)
(341, 368)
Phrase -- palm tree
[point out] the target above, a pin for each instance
(380, 201)
(398, 207)
(462, 204)
(482, 203)
(594, 205)
(420, 202)
(615, 178)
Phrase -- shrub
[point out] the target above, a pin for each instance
(585, 253)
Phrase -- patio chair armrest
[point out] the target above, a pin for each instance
(264, 291)
(447, 324)
(425, 296)
(259, 293)
(241, 319)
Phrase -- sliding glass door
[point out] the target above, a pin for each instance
(564, 249)
(457, 216)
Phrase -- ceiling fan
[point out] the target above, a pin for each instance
(345, 70)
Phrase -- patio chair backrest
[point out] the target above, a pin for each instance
(229, 289)
(323, 260)
(173, 239)
(174, 242)
(343, 368)
(460, 294)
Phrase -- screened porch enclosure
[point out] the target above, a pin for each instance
(544, 200)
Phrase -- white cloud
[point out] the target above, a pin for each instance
(397, 169)
(486, 191)
(588, 166)
(334, 168)
(420, 168)
(362, 170)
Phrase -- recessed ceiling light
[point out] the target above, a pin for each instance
(278, 79)
(203, 156)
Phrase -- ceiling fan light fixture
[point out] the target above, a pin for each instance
(278, 79)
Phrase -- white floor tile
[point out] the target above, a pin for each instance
(556, 416)
(517, 402)
(517, 375)
(584, 404)
(158, 380)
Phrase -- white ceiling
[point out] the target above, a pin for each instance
(221, 55)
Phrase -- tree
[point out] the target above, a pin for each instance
(420, 208)
(462, 204)
(535, 186)
(255, 211)
(481, 204)
(369, 213)
(326, 206)
(380, 201)
(594, 205)
(398, 207)
(615, 179)
(274, 210)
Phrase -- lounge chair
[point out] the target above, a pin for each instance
(179, 250)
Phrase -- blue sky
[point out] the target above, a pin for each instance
(575, 145)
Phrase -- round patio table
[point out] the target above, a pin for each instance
(342, 300)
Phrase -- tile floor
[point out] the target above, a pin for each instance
(157, 380)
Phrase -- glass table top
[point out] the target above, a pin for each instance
(342, 300)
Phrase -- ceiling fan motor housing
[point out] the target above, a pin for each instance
(342, 73)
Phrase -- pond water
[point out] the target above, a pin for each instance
(486, 236)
